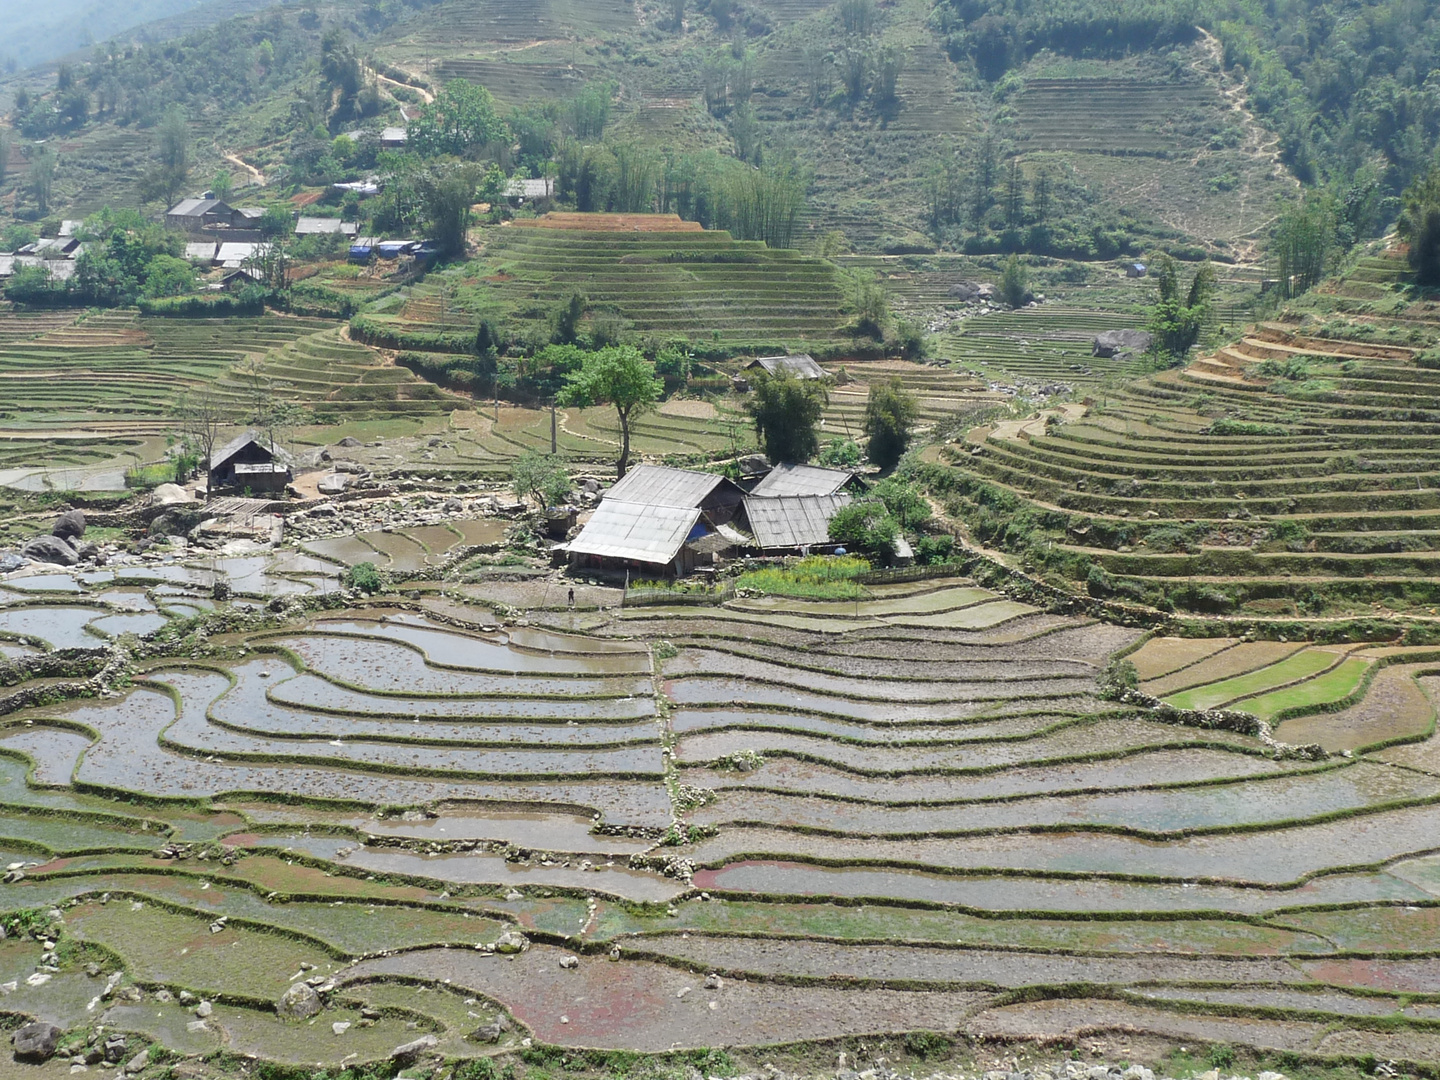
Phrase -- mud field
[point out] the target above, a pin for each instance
(656, 829)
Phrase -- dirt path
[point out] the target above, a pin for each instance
(254, 173)
(425, 95)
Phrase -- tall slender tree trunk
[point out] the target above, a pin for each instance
(624, 444)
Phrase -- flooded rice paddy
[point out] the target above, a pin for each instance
(861, 819)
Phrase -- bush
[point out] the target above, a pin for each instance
(387, 335)
(1118, 676)
(840, 454)
(934, 550)
(365, 578)
(249, 301)
(866, 527)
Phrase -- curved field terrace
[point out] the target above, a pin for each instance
(773, 821)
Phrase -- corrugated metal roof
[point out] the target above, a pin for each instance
(236, 250)
(660, 485)
(787, 479)
(638, 531)
(793, 521)
(801, 365)
(311, 226)
(200, 252)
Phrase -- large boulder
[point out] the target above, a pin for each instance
(50, 549)
(169, 495)
(10, 561)
(1110, 343)
(348, 440)
(300, 1002)
(37, 1041)
(69, 525)
(332, 483)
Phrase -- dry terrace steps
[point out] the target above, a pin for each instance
(1319, 497)
(697, 284)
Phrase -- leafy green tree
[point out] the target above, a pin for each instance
(890, 413)
(866, 527)
(168, 174)
(42, 178)
(1014, 283)
(542, 476)
(1176, 317)
(565, 320)
(619, 376)
(904, 501)
(221, 184)
(1303, 239)
(460, 121)
(446, 195)
(1420, 226)
(787, 413)
(168, 276)
(857, 16)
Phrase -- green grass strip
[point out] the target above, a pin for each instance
(1333, 685)
(1299, 666)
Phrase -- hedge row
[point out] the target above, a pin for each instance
(457, 372)
(389, 335)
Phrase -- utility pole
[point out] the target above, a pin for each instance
(552, 425)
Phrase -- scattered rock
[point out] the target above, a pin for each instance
(340, 1027)
(138, 1062)
(36, 1042)
(69, 525)
(411, 1051)
(349, 440)
(204, 1009)
(490, 1033)
(712, 981)
(511, 942)
(300, 1002)
(333, 483)
(569, 962)
(10, 561)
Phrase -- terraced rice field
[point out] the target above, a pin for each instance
(1285, 476)
(114, 373)
(863, 817)
(701, 285)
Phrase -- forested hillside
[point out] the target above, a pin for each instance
(1077, 129)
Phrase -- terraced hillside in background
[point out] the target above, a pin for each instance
(701, 285)
(771, 821)
(1291, 474)
(1158, 141)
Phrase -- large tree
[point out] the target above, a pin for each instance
(620, 376)
(1420, 226)
(167, 176)
(787, 413)
(1177, 317)
(461, 121)
(890, 413)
